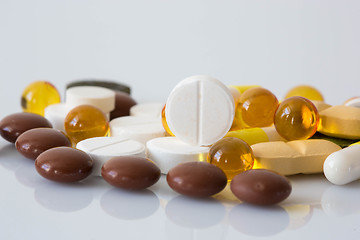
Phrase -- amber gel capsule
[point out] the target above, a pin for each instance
(232, 155)
(84, 122)
(257, 107)
(296, 118)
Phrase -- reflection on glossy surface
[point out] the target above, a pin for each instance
(63, 197)
(195, 213)
(7, 153)
(258, 221)
(342, 200)
(177, 232)
(302, 184)
(300, 215)
(26, 173)
(129, 205)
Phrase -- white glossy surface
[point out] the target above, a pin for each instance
(151, 45)
(34, 207)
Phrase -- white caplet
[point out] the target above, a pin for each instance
(141, 129)
(150, 109)
(99, 97)
(101, 149)
(56, 114)
(200, 110)
(168, 152)
(343, 166)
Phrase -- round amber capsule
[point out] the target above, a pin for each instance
(296, 118)
(164, 123)
(257, 107)
(305, 91)
(232, 155)
(84, 122)
(37, 96)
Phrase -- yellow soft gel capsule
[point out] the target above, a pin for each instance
(37, 96)
(256, 135)
(85, 121)
(257, 107)
(164, 122)
(232, 155)
(305, 91)
(296, 118)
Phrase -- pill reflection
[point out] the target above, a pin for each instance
(63, 197)
(299, 214)
(129, 205)
(258, 221)
(27, 175)
(341, 200)
(194, 213)
(8, 158)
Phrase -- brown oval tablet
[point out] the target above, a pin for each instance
(35, 141)
(15, 124)
(196, 179)
(123, 103)
(64, 164)
(260, 187)
(130, 172)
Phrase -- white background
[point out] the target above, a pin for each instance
(151, 45)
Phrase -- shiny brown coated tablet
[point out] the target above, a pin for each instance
(123, 103)
(15, 124)
(196, 179)
(260, 187)
(130, 172)
(64, 164)
(35, 141)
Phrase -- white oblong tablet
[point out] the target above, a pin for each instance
(100, 97)
(168, 152)
(200, 110)
(56, 114)
(343, 166)
(141, 129)
(102, 149)
(150, 109)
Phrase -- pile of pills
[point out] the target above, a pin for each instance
(206, 136)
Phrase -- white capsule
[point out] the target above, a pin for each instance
(141, 129)
(168, 152)
(200, 110)
(343, 166)
(102, 149)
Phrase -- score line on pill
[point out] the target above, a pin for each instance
(200, 110)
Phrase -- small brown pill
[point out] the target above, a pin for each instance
(15, 124)
(64, 164)
(196, 179)
(130, 172)
(123, 103)
(35, 141)
(260, 187)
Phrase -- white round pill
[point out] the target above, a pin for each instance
(141, 129)
(102, 149)
(168, 152)
(150, 109)
(200, 110)
(100, 97)
(56, 114)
